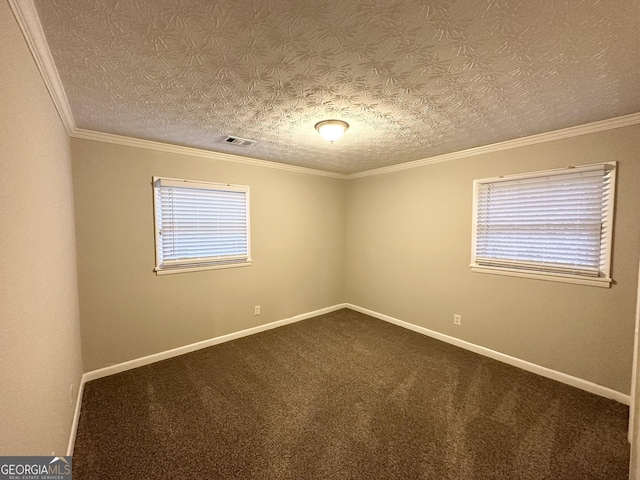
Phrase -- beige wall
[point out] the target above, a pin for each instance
(39, 330)
(408, 254)
(127, 311)
(407, 237)
(397, 243)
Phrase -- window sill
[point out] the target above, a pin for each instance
(171, 271)
(550, 277)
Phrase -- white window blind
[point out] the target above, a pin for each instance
(550, 223)
(200, 225)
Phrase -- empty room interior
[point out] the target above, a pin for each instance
(289, 239)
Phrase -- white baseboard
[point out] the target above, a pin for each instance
(516, 362)
(501, 357)
(156, 357)
(76, 418)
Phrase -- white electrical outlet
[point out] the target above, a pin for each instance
(457, 319)
(256, 310)
(71, 395)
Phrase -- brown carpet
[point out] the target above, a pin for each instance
(344, 396)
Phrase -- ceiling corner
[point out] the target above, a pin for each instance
(29, 22)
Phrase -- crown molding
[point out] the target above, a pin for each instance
(609, 124)
(600, 126)
(197, 152)
(29, 22)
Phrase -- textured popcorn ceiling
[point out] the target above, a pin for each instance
(413, 78)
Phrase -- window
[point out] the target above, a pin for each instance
(200, 225)
(554, 225)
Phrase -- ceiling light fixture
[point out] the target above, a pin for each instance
(331, 130)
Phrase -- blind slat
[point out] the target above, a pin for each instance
(554, 222)
(200, 224)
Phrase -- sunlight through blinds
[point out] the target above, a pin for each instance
(557, 222)
(200, 224)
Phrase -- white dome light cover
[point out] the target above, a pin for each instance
(331, 130)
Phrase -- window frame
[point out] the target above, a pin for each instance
(160, 269)
(603, 280)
